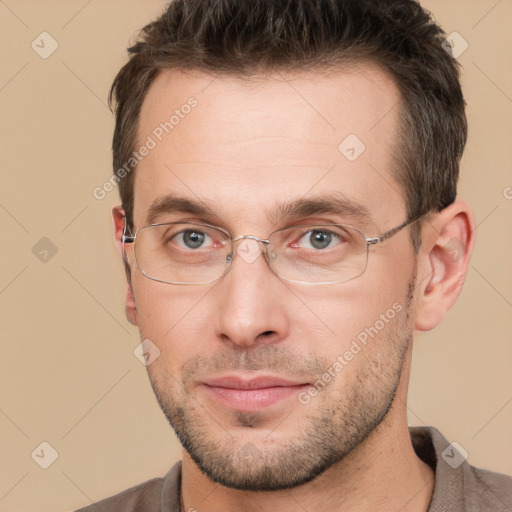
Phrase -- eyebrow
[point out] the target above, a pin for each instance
(332, 203)
(176, 204)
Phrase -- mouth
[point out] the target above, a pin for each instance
(251, 395)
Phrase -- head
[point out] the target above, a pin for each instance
(290, 114)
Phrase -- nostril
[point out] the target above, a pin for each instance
(267, 333)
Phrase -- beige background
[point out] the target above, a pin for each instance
(68, 375)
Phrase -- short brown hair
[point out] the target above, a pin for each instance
(247, 38)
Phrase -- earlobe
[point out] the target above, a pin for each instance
(444, 256)
(130, 306)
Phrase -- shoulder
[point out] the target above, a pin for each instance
(487, 488)
(149, 496)
(145, 496)
(459, 486)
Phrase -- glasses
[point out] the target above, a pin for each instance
(189, 253)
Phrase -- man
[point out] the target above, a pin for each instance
(288, 178)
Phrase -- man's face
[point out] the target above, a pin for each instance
(245, 149)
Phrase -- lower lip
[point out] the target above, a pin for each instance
(251, 400)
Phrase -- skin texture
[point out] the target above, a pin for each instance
(247, 146)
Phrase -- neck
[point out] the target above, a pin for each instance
(382, 473)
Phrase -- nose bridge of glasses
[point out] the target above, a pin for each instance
(250, 250)
(251, 237)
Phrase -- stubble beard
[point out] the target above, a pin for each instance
(341, 419)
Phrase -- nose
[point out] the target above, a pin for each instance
(250, 300)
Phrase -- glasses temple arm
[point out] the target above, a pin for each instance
(391, 232)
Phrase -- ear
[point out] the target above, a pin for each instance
(447, 244)
(119, 218)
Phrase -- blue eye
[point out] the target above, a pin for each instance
(318, 239)
(191, 238)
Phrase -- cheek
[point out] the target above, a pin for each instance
(341, 312)
(369, 338)
(170, 316)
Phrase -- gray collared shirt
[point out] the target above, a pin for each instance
(458, 487)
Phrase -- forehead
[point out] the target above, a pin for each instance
(246, 145)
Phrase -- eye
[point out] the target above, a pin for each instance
(192, 239)
(318, 239)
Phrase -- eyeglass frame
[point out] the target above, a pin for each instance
(129, 239)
